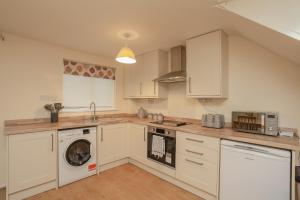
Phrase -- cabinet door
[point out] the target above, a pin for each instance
(133, 81)
(139, 77)
(112, 143)
(205, 65)
(138, 142)
(32, 159)
(150, 72)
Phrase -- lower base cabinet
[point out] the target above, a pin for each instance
(198, 173)
(32, 160)
(119, 141)
(112, 143)
(138, 142)
(197, 161)
(197, 158)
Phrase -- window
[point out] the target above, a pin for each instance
(86, 83)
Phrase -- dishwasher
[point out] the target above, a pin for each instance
(253, 172)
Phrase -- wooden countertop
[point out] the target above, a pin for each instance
(225, 133)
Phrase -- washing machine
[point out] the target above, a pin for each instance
(77, 154)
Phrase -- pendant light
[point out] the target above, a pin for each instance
(126, 55)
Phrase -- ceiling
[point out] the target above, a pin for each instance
(93, 25)
(280, 15)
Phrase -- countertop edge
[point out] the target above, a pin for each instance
(216, 133)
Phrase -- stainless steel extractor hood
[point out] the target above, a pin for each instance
(178, 66)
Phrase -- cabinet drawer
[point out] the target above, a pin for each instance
(202, 153)
(198, 173)
(195, 142)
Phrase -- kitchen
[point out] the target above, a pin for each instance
(263, 76)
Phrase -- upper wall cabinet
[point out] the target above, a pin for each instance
(207, 68)
(139, 77)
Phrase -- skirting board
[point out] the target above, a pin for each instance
(32, 191)
(174, 181)
(112, 165)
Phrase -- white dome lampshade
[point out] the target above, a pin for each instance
(126, 56)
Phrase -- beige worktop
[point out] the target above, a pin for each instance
(27, 126)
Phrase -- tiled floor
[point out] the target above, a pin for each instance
(126, 182)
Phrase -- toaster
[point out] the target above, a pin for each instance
(213, 120)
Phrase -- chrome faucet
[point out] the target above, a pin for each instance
(94, 111)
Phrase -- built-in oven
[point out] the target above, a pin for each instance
(161, 145)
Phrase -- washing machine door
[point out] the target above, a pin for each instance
(78, 152)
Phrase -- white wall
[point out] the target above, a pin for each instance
(258, 81)
(31, 76)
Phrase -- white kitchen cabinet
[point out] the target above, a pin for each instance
(138, 142)
(139, 77)
(207, 66)
(197, 161)
(32, 160)
(113, 143)
(198, 173)
(132, 81)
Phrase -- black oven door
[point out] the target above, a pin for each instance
(170, 150)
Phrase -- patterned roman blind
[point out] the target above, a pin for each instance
(88, 70)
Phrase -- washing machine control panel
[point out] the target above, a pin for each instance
(71, 133)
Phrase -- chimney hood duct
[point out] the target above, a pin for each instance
(178, 66)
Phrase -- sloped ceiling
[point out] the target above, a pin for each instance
(278, 15)
(93, 25)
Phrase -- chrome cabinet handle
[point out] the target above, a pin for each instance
(101, 134)
(194, 140)
(197, 163)
(194, 152)
(144, 134)
(52, 145)
(190, 90)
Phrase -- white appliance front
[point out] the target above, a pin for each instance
(77, 154)
(252, 172)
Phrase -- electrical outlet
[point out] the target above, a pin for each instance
(48, 98)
